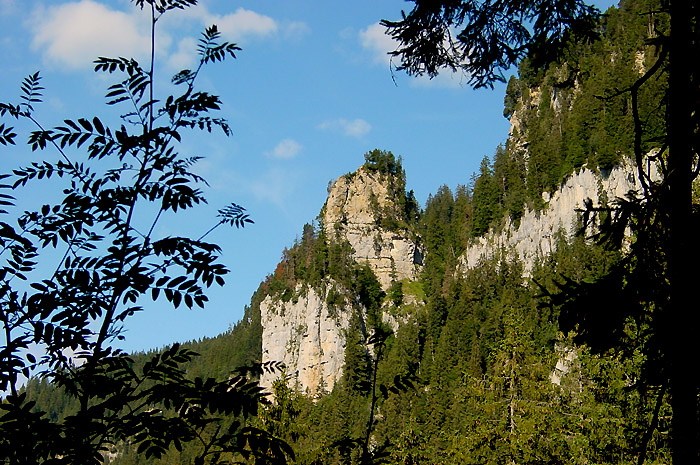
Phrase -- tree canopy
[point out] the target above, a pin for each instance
(492, 35)
(489, 36)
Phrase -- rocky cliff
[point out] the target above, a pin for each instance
(308, 336)
(307, 333)
(534, 236)
(353, 210)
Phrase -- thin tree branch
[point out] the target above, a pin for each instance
(652, 426)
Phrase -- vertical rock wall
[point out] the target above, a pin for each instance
(308, 336)
(352, 211)
(534, 237)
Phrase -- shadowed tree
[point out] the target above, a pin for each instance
(484, 38)
(69, 304)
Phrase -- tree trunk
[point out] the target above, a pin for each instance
(682, 320)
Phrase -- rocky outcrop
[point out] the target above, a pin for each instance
(566, 363)
(308, 336)
(355, 204)
(307, 333)
(534, 236)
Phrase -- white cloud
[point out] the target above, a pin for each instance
(287, 148)
(240, 25)
(374, 40)
(275, 186)
(244, 23)
(353, 128)
(185, 55)
(74, 34)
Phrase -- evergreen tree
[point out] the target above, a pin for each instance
(279, 417)
(486, 198)
(356, 370)
(495, 35)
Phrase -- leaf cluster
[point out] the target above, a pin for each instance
(62, 319)
(485, 38)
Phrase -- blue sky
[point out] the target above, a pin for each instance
(310, 93)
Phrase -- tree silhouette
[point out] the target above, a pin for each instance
(110, 261)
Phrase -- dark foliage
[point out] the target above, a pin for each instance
(493, 35)
(112, 260)
(485, 38)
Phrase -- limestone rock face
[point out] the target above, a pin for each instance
(308, 336)
(353, 209)
(535, 235)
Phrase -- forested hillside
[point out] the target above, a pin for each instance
(458, 365)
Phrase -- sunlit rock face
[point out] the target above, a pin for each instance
(308, 336)
(306, 333)
(535, 236)
(352, 210)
